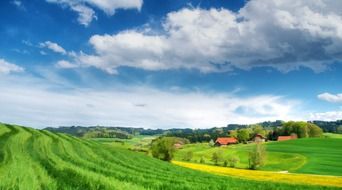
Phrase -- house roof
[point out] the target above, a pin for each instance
(226, 140)
(284, 138)
(259, 135)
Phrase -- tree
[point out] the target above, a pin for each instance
(233, 133)
(243, 135)
(225, 163)
(216, 157)
(339, 129)
(314, 130)
(202, 161)
(233, 160)
(211, 143)
(258, 129)
(163, 148)
(301, 128)
(257, 156)
(188, 156)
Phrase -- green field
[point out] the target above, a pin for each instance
(312, 155)
(33, 159)
(138, 142)
(332, 135)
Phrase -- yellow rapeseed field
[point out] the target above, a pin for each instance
(266, 175)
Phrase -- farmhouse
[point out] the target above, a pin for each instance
(178, 145)
(285, 138)
(224, 141)
(259, 138)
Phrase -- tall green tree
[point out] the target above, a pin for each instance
(233, 133)
(243, 135)
(314, 130)
(301, 128)
(257, 156)
(258, 129)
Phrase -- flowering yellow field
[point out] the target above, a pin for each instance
(266, 175)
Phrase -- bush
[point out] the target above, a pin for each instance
(163, 148)
(225, 163)
(202, 161)
(211, 143)
(188, 156)
(217, 157)
(233, 160)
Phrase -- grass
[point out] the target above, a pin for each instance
(312, 155)
(332, 135)
(34, 159)
(277, 161)
(141, 142)
(324, 155)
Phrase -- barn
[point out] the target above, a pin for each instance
(285, 138)
(224, 141)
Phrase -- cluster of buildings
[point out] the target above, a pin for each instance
(225, 141)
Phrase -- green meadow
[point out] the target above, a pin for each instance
(37, 159)
(311, 155)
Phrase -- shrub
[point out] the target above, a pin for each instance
(188, 156)
(233, 160)
(216, 157)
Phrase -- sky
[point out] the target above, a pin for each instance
(170, 63)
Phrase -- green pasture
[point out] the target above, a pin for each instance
(311, 155)
(34, 159)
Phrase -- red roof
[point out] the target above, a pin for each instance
(284, 138)
(226, 140)
(258, 135)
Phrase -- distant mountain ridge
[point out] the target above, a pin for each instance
(79, 131)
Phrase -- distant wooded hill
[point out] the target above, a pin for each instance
(196, 134)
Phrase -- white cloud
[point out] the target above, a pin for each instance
(17, 3)
(86, 13)
(6, 67)
(289, 35)
(334, 98)
(327, 116)
(65, 64)
(109, 6)
(53, 46)
(32, 102)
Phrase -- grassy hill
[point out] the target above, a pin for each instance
(311, 155)
(33, 159)
(323, 155)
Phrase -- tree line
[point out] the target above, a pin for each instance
(244, 134)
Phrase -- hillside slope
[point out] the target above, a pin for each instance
(33, 159)
(323, 155)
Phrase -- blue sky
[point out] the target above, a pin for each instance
(163, 64)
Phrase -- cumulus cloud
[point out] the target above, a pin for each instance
(37, 105)
(285, 35)
(86, 13)
(53, 46)
(327, 116)
(334, 98)
(6, 67)
(65, 64)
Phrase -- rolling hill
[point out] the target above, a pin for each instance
(309, 155)
(39, 159)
